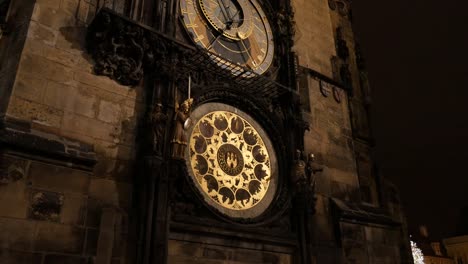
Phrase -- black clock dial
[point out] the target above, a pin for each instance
(237, 30)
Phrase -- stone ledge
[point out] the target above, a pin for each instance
(358, 213)
(19, 138)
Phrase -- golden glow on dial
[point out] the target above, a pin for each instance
(229, 160)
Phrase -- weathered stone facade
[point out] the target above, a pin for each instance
(79, 185)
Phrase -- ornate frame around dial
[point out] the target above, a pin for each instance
(238, 178)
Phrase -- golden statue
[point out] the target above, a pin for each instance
(182, 123)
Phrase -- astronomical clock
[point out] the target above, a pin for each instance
(230, 158)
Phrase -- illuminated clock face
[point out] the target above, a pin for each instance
(237, 30)
(231, 160)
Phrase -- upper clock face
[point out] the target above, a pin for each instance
(231, 160)
(237, 30)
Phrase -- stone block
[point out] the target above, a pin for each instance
(339, 158)
(323, 185)
(44, 68)
(346, 177)
(70, 99)
(109, 112)
(76, 8)
(34, 47)
(64, 259)
(93, 212)
(71, 6)
(73, 209)
(115, 151)
(19, 257)
(105, 95)
(105, 83)
(77, 124)
(178, 248)
(106, 235)
(48, 3)
(92, 236)
(40, 33)
(117, 261)
(60, 179)
(339, 190)
(352, 232)
(17, 234)
(320, 205)
(61, 56)
(51, 16)
(110, 192)
(31, 111)
(59, 238)
(330, 255)
(355, 252)
(246, 256)
(118, 170)
(120, 245)
(88, 139)
(383, 252)
(13, 199)
(214, 253)
(322, 229)
(29, 87)
(45, 205)
(13, 190)
(72, 39)
(185, 259)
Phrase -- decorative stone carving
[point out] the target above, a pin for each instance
(342, 49)
(46, 206)
(12, 170)
(158, 125)
(124, 50)
(119, 49)
(341, 6)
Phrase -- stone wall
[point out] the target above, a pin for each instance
(314, 42)
(217, 251)
(339, 138)
(52, 213)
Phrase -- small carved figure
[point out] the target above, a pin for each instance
(158, 124)
(298, 176)
(312, 169)
(179, 140)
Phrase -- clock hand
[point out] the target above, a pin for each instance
(228, 11)
(214, 40)
(223, 9)
(227, 26)
(240, 35)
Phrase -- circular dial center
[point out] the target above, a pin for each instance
(232, 19)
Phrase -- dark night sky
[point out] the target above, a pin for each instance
(417, 54)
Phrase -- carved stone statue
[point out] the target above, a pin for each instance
(179, 139)
(298, 176)
(312, 169)
(158, 125)
(303, 180)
